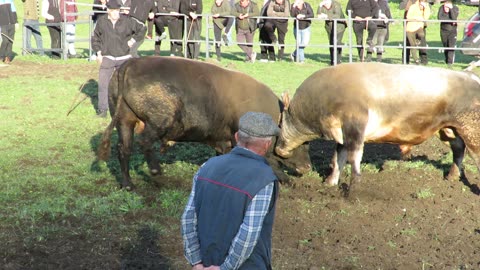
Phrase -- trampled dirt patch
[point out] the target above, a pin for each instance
(402, 215)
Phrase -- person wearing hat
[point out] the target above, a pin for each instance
(227, 223)
(448, 14)
(112, 39)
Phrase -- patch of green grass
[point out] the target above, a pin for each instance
(424, 193)
(172, 202)
(409, 232)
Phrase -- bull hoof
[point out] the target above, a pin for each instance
(330, 181)
(454, 174)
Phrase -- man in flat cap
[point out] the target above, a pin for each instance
(227, 223)
(112, 39)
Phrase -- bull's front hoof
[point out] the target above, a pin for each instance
(331, 181)
(454, 174)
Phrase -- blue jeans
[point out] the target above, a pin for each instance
(35, 30)
(303, 38)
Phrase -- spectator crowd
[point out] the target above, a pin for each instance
(370, 20)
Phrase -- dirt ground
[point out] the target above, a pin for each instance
(400, 216)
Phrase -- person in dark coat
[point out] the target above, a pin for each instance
(112, 39)
(227, 223)
(8, 19)
(140, 11)
(302, 12)
(221, 11)
(448, 14)
(51, 13)
(174, 23)
(381, 35)
(362, 12)
(193, 10)
(335, 24)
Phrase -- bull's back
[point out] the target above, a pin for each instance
(386, 88)
(203, 96)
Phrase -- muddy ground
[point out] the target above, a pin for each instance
(403, 215)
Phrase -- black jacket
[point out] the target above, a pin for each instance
(111, 40)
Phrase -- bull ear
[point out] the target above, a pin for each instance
(286, 101)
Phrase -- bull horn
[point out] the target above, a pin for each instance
(286, 100)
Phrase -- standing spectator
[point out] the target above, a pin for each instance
(8, 20)
(140, 11)
(278, 8)
(405, 5)
(227, 223)
(99, 10)
(31, 15)
(51, 13)
(69, 25)
(362, 13)
(267, 51)
(112, 39)
(417, 13)
(331, 11)
(221, 9)
(302, 12)
(174, 23)
(192, 8)
(448, 14)
(381, 35)
(244, 10)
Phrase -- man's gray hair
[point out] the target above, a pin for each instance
(245, 138)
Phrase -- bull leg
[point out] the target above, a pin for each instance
(355, 158)
(338, 162)
(125, 142)
(458, 149)
(146, 143)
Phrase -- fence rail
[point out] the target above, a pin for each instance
(348, 45)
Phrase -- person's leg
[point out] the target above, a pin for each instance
(358, 28)
(421, 35)
(105, 73)
(241, 40)
(412, 39)
(282, 29)
(217, 33)
(175, 28)
(28, 34)
(305, 40)
(249, 39)
(38, 37)
(452, 41)
(381, 34)
(55, 40)
(70, 38)
(197, 37)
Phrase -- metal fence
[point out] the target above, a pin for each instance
(349, 45)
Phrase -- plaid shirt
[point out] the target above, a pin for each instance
(246, 238)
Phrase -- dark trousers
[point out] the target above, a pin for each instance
(449, 39)
(331, 39)
(175, 28)
(266, 51)
(107, 68)
(358, 27)
(282, 28)
(55, 37)
(194, 29)
(217, 32)
(7, 43)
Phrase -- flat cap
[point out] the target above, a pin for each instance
(258, 124)
(113, 4)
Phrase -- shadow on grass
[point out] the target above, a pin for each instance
(145, 253)
(377, 154)
(190, 152)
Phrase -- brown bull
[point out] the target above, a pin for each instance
(372, 102)
(174, 99)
